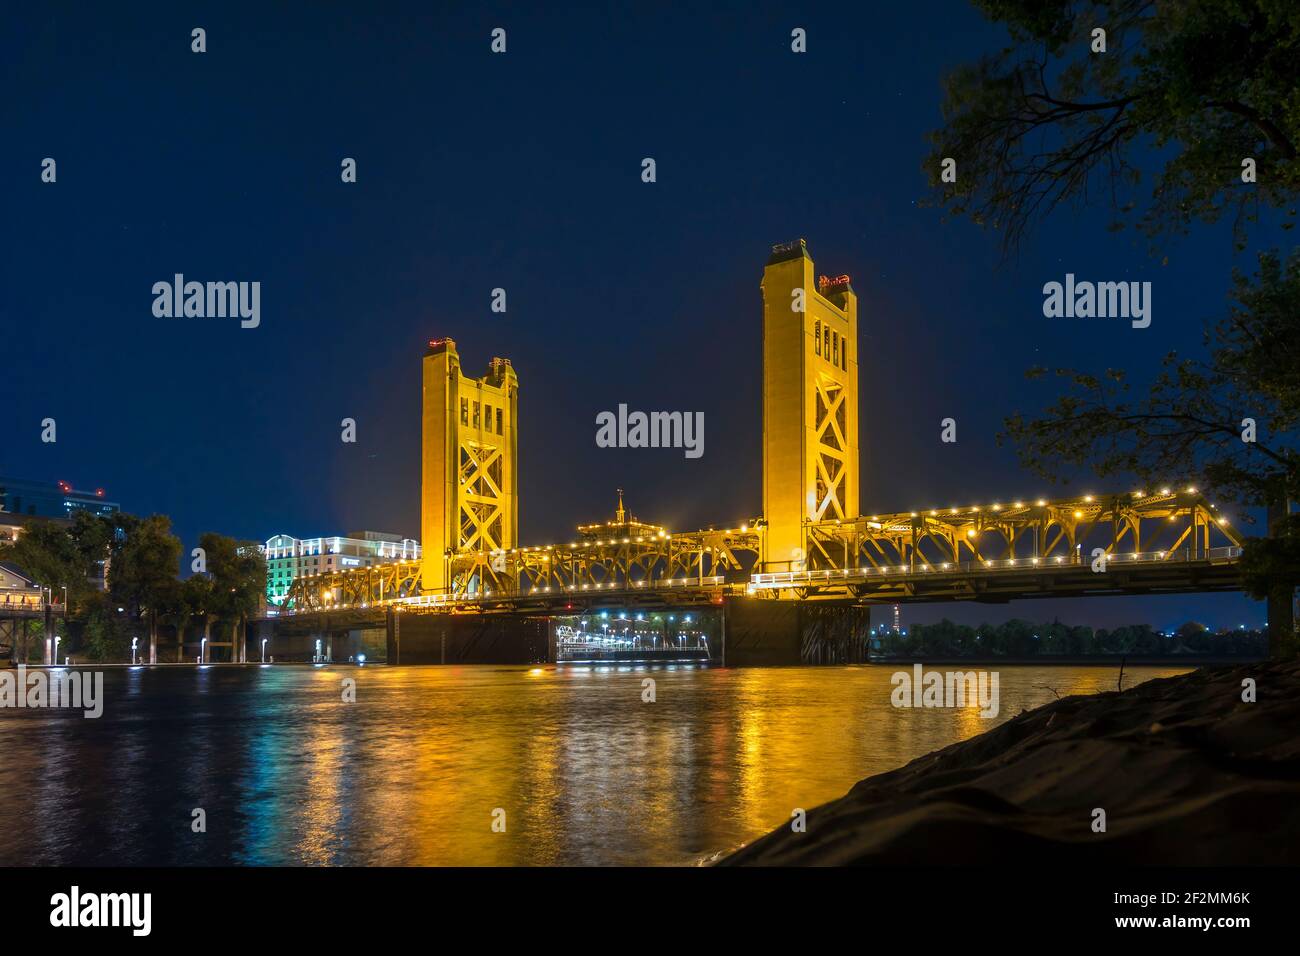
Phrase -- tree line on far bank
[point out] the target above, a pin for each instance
(1019, 639)
(145, 592)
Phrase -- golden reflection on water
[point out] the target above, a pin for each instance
(585, 771)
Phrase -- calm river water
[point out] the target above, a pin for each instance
(412, 772)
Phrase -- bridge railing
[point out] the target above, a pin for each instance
(816, 577)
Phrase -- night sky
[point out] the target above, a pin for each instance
(521, 171)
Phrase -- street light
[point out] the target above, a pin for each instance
(203, 651)
(263, 650)
(135, 642)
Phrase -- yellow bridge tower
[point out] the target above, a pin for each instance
(810, 403)
(469, 498)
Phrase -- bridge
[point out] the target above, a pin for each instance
(812, 546)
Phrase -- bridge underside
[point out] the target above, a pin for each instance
(738, 631)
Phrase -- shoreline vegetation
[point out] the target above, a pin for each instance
(1046, 643)
(1186, 771)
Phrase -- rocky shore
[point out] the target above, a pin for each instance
(1186, 772)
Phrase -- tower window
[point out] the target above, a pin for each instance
(499, 421)
(835, 343)
(817, 337)
(826, 341)
(476, 415)
(844, 356)
(464, 411)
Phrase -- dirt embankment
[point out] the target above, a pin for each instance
(1185, 770)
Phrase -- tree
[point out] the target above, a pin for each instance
(1196, 88)
(1199, 85)
(104, 634)
(143, 568)
(238, 570)
(46, 554)
(93, 536)
(197, 596)
(1195, 412)
(1230, 419)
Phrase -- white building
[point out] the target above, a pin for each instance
(288, 557)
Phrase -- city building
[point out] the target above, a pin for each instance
(288, 558)
(51, 499)
(23, 501)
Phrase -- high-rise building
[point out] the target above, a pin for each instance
(288, 558)
(51, 499)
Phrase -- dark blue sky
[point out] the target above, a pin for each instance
(520, 171)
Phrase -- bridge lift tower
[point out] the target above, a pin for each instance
(810, 403)
(469, 494)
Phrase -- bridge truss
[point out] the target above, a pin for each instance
(1145, 542)
(1139, 542)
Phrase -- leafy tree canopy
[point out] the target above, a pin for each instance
(1196, 86)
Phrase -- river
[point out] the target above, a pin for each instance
(570, 760)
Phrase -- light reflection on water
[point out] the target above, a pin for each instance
(410, 774)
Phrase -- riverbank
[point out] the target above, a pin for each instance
(1078, 660)
(1186, 772)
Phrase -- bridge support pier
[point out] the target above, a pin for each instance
(393, 636)
(467, 639)
(762, 632)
